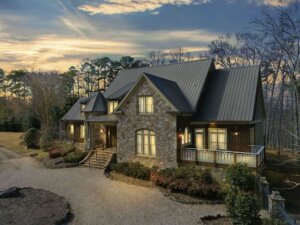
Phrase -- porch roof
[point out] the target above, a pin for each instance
(103, 118)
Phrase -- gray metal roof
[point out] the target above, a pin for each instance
(74, 113)
(171, 91)
(119, 94)
(97, 103)
(230, 95)
(189, 76)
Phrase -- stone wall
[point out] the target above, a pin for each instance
(162, 123)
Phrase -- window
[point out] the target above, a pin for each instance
(186, 136)
(82, 106)
(112, 105)
(82, 131)
(146, 104)
(145, 143)
(200, 138)
(217, 138)
(72, 129)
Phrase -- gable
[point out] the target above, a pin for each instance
(144, 88)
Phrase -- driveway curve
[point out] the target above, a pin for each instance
(96, 200)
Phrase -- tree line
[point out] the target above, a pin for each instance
(272, 41)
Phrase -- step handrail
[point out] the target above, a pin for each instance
(87, 157)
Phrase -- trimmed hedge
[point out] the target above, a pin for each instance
(135, 170)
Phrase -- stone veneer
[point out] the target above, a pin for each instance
(161, 122)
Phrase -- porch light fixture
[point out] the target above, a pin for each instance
(236, 133)
(101, 130)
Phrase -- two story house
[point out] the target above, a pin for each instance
(188, 112)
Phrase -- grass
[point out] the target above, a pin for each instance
(11, 140)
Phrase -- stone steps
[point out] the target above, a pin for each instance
(98, 159)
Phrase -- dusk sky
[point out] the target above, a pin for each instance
(55, 34)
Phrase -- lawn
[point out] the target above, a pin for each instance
(11, 140)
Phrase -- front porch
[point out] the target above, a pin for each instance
(254, 158)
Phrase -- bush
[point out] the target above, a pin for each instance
(135, 170)
(46, 140)
(31, 138)
(242, 208)
(190, 180)
(239, 175)
(75, 156)
(54, 153)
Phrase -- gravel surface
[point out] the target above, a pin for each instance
(97, 200)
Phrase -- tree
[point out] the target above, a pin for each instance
(16, 83)
(48, 96)
(2, 82)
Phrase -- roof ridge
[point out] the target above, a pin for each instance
(170, 64)
(238, 67)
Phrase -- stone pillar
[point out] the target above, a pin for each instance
(264, 188)
(275, 200)
(87, 138)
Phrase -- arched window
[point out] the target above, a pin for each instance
(145, 143)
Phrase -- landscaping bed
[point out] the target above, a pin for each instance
(130, 180)
(177, 183)
(215, 220)
(33, 206)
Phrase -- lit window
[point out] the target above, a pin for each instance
(82, 131)
(72, 129)
(146, 104)
(145, 143)
(82, 106)
(200, 138)
(186, 136)
(217, 138)
(112, 105)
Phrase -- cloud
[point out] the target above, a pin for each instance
(274, 3)
(111, 7)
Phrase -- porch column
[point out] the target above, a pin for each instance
(87, 139)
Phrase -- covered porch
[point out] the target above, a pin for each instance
(103, 133)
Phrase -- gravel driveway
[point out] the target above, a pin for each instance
(96, 200)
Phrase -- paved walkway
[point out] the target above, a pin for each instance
(96, 200)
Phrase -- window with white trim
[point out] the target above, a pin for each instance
(200, 138)
(82, 131)
(217, 138)
(145, 104)
(145, 143)
(186, 137)
(112, 105)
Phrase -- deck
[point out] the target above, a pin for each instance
(254, 158)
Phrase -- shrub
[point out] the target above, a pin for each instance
(46, 140)
(179, 185)
(75, 156)
(31, 138)
(135, 170)
(54, 153)
(242, 208)
(239, 175)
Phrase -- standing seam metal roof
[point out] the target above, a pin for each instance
(230, 95)
(189, 76)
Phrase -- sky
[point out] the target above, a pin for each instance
(56, 34)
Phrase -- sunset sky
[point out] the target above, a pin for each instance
(55, 34)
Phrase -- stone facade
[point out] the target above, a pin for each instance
(161, 122)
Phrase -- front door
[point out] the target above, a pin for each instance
(111, 137)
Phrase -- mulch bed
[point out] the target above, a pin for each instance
(57, 163)
(215, 220)
(34, 207)
(129, 180)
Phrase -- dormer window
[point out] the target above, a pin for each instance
(82, 106)
(145, 104)
(112, 105)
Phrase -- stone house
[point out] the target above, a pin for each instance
(188, 112)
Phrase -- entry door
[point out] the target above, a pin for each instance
(199, 137)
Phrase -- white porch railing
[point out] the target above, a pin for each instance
(253, 159)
